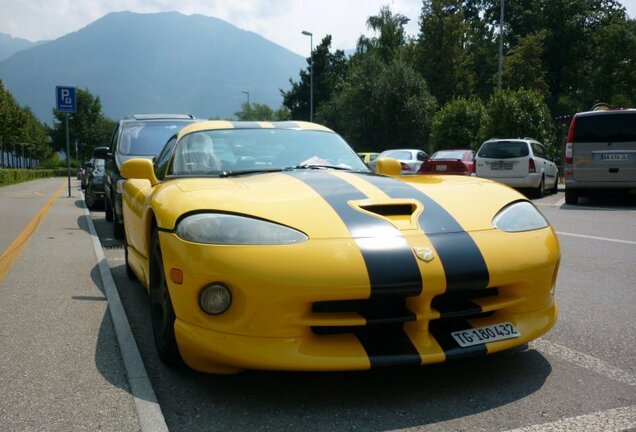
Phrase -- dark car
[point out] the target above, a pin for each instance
(135, 136)
(95, 193)
(84, 169)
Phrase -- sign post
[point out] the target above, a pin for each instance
(65, 102)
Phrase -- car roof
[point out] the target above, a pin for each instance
(620, 111)
(159, 117)
(225, 124)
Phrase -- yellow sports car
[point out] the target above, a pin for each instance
(272, 246)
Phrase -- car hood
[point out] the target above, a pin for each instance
(328, 204)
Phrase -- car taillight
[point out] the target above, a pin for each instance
(570, 142)
(531, 167)
(405, 167)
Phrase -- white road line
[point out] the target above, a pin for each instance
(596, 238)
(613, 420)
(584, 361)
(559, 203)
(151, 418)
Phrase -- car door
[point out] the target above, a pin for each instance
(542, 160)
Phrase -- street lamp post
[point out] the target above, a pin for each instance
(311, 74)
(248, 97)
(501, 18)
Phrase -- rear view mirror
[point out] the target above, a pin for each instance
(388, 166)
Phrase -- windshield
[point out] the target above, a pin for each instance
(449, 154)
(398, 154)
(219, 152)
(503, 149)
(148, 138)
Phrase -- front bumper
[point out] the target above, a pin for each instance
(274, 323)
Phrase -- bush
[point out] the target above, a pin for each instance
(12, 176)
(458, 125)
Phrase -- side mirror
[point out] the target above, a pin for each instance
(388, 166)
(140, 169)
(102, 153)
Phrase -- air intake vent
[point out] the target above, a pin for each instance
(390, 209)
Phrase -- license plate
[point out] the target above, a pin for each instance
(491, 333)
(501, 166)
(615, 156)
(441, 167)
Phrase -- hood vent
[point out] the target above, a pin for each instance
(397, 209)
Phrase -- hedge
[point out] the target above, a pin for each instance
(11, 176)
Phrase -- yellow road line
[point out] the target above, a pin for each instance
(10, 256)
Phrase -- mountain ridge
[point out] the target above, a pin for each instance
(161, 62)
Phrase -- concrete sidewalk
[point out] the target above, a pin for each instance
(61, 368)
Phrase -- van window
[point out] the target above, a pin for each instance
(611, 127)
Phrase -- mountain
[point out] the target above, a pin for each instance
(151, 63)
(10, 45)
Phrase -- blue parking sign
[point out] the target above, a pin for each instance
(65, 99)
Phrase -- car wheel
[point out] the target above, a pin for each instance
(118, 226)
(555, 187)
(161, 310)
(108, 209)
(539, 191)
(571, 196)
(89, 198)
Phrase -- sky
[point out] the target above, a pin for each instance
(280, 21)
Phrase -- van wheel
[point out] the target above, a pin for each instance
(571, 196)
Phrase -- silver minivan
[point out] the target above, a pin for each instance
(600, 153)
(521, 163)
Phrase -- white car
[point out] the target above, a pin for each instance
(410, 159)
(519, 163)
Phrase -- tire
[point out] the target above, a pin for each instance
(118, 226)
(89, 197)
(540, 190)
(555, 187)
(161, 310)
(108, 209)
(571, 196)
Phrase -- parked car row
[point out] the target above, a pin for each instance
(520, 163)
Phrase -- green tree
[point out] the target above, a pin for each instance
(523, 65)
(261, 112)
(88, 125)
(329, 72)
(518, 114)
(391, 36)
(381, 106)
(443, 59)
(458, 124)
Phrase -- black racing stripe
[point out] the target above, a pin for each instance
(441, 331)
(392, 270)
(463, 263)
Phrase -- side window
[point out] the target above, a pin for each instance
(421, 156)
(539, 151)
(162, 160)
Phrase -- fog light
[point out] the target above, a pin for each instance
(215, 299)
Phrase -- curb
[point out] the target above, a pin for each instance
(151, 418)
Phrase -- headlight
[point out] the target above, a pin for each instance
(220, 228)
(519, 216)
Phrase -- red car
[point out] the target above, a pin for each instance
(459, 162)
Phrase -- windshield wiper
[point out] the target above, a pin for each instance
(318, 167)
(230, 173)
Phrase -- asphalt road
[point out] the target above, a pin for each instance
(60, 366)
(580, 376)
